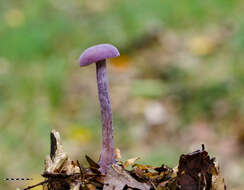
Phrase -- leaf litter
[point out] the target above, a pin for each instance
(195, 171)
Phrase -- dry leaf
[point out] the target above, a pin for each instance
(130, 162)
(217, 180)
(117, 179)
(117, 153)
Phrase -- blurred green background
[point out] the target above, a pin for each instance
(178, 83)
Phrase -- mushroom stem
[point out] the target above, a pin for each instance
(107, 157)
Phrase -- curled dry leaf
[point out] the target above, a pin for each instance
(156, 177)
(58, 160)
(130, 162)
(117, 153)
(217, 180)
(61, 172)
(92, 163)
(197, 170)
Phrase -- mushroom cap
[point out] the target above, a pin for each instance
(98, 53)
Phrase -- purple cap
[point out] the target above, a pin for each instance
(97, 53)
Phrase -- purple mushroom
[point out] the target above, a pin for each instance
(99, 54)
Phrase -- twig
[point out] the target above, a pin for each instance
(41, 183)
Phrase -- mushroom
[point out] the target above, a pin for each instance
(99, 54)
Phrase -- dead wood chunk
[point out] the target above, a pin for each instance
(118, 179)
(195, 171)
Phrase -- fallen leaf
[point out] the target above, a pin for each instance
(92, 163)
(217, 180)
(130, 162)
(117, 179)
(195, 170)
(117, 153)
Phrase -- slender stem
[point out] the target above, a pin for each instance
(107, 154)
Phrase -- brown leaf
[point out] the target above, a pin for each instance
(139, 174)
(117, 179)
(162, 168)
(91, 187)
(92, 163)
(143, 167)
(53, 143)
(195, 171)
